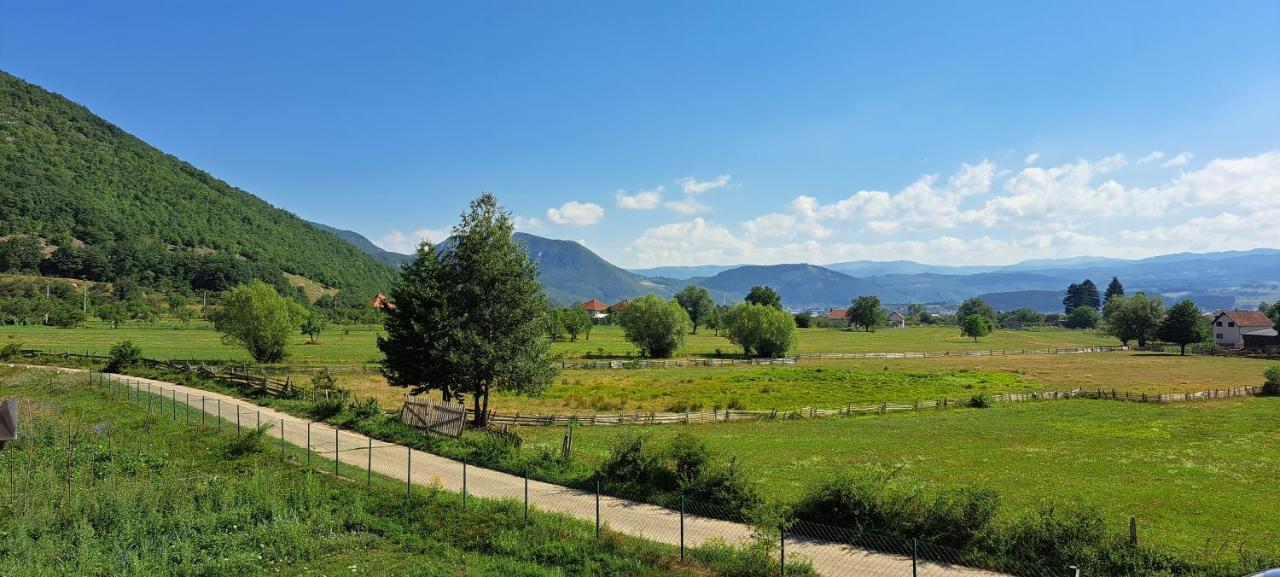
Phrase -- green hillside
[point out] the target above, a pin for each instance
(101, 204)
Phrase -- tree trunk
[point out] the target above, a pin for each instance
(485, 408)
(1184, 349)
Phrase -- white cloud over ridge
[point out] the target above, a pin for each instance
(984, 215)
(574, 213)
(643, 200)
(397, 241)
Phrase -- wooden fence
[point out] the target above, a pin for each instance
(732, 415)
(438, 418)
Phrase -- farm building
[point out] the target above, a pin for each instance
(380, 302)
(596, 308)
(837, 314)
(620, 305)
(897, 320)
(1230, 327)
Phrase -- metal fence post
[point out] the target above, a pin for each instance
(782, 541)
(464, 483)
(597, 509)
(913, 556)
(682, 527)
(335, 452)
(186, 410)
(308, 446)
(368, 475)
(282, 437)
(219, 416)
(408, 475)
(526, 495)
(174, 393)
(259, 420)
(237, 419)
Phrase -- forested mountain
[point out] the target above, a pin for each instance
(99, 203)
(801, 285)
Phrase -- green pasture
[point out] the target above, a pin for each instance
(168, 339)
(1195, 474)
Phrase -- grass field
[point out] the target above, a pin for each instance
(167, 339)
(151, 496)
(834, 383)
(1194, 474)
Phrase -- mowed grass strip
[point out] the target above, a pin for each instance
(1194, 474)
(341, 345)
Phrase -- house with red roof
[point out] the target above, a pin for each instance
(1230, 327)
(380, 302)
(838, 314)
(596, 308)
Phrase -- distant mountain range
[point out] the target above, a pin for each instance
(573, 273)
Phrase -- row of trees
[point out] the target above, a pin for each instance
(658, 327)
(1144, 319)
(1085, 295)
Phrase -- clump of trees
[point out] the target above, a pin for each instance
(1082, 318)
(976, 306)
(866, 312)
(469, 319)
(571, 322)
(761, 330)
(656, 326)
(1133, 318)
(1084, 294)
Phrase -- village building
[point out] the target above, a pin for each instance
(897, 320)
(597, 309)
(1231, 327)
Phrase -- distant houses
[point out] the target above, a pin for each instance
(838, 314)
(597, 308)
(1233, 328)
(897, 320)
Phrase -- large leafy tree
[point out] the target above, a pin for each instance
(1084, 294)
(866, 312)
(469, 319)
(256, 317)
(764, 295)
(698, 304)
(575, 321)
(1133, 317)
(761, 330)
(656, 326)
(975, 326)
(976, 306)
(1183, 325)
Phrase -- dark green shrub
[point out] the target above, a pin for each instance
(324, 407)
(10, 351)
(367, 409)
(980, 402)
(1272, 384)
(886, 505)
(247, 443)
(123, 355)
(640, 469)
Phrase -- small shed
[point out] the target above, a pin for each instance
(897, 320)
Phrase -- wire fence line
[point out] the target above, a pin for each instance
(357, 458)
(736, 415)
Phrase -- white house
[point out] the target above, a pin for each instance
(1229, 327)
(897, 320)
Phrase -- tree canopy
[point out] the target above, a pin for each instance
(256, 317)
(1133, 318)
(657, 327)
(866, 312)
(764, 295)
(1183, 325)
(975, 326)
(1114, 289)
(761, 330)
(1084, 294)
(470, 319)
(976, 306)
(697, 302)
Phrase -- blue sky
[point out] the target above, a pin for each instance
(709, 132)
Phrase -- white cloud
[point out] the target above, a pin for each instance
(1252, 182)
(397, 241)
(1031, 158)
(696, 241)
(531, 224)
(1181, 159)
(690, 185)
(801, 221)
(643, 200)
(688, 205)
(1153, 156)
(576, 213)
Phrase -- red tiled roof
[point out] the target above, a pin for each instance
(1248, 318)
(837, 314)
(381, 302)
(595, 305)
(621, 305)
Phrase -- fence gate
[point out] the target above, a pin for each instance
(440, 418)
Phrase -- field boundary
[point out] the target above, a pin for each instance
(732, 415)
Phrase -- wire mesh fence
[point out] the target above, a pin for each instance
(687, 525)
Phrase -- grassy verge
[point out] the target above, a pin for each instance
(95, 487)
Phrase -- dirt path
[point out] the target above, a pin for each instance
(420, 468)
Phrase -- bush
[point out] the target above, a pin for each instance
(10, 351)
(1272, 385)
(639, 469)
(368, 409)
(886, 505)
(322, 408)
(764, 330)
(246, 443)
(980, 402)
(655, 326)
(123, 355)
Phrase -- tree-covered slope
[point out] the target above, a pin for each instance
(115, 207)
